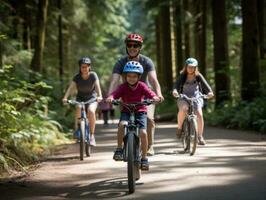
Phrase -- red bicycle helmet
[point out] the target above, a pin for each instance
(134, 38)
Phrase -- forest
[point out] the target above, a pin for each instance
(41, 42)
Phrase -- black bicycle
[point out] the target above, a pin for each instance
(190, 125)
(131, 148)
(83, 128)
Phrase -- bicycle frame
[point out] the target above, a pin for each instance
(131, 143)
(84, 128)
(190, 125)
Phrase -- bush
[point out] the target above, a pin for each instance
(26, 131)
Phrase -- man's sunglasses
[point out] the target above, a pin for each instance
(133, 45)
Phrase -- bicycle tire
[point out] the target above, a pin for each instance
(193, 137)
(88, 149)
(82, 139)
(185, 136)
(87, 143)
(131, 163)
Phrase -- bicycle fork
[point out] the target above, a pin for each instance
(136, 144)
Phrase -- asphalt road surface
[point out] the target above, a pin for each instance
(231, 166)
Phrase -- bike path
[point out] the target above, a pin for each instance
(230, 166)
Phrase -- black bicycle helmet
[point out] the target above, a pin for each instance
(84, 60)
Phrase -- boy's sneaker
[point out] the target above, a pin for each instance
(144, 164)
(150, 151)
(201, 141)
(92, 141)
(118, 155)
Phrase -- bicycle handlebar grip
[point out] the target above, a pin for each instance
(116, 102)
(148, 101)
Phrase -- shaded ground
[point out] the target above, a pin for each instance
(231, 166)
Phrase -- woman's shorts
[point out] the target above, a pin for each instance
(197, 104)
(141, 118)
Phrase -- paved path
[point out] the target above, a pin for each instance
(231, 166)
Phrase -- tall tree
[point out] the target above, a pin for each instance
(178, 34)
(200, 33)
(36, 63)
(221, 63)
(60, 43)
(158, 52)
(165, 44)
(261, 5)
(250, 52)
(187, 19)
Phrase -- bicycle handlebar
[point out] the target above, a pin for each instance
(183, 96)
(74, 102)
(144, 102)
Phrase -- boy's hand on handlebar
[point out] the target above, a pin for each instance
(109, 99)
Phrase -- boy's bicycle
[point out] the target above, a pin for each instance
(83, 128)
(131, 149)
(190, 125)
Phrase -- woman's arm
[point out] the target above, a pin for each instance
(206, 88)
(70, 90)
(98, 90)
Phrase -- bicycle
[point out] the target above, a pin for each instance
(189, 130)
(83, 128)
(131, 149)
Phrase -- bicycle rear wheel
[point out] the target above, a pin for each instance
(193, 135)
(82, 139)
(131, 163)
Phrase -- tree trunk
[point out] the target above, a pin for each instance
(60, 45)
(165, 34)
(158, 52)
(1, 54)
(261, 21)
(250, 57)
(179, 33)
(36, 63)
(26, 35)
(187, 28)
(221, 65)
(200, 34)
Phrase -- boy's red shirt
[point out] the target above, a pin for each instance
(131, 95)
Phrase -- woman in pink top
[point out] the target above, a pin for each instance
(131, 91)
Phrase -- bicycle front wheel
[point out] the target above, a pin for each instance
(87, 143)
(193, 134)
(88, 149)
(131, 163)
(82, 139)
(185, 136)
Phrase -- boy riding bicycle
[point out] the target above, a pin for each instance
(133, 90)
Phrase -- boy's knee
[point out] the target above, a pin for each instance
(122, 124)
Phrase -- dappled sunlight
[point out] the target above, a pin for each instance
(223, 163)
(173, 125)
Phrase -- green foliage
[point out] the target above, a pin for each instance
(25, 129)
(244, 115)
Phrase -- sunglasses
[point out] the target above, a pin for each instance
(133, 45)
